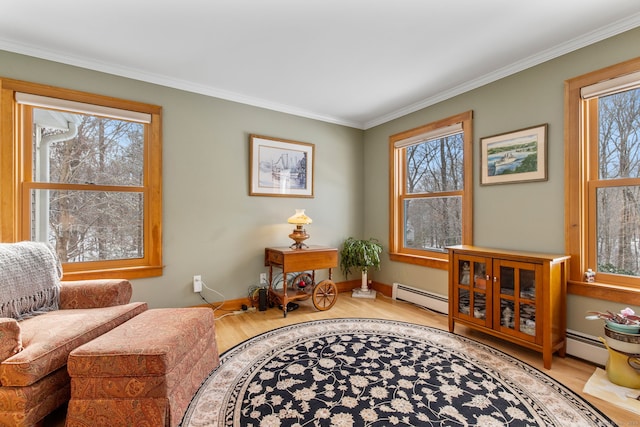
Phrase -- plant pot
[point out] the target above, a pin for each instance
(363, 281)
(627, 329)
(363, 291)
(623, 369)
(622, 341)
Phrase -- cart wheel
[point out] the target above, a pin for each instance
(302, 281)
(325, 295)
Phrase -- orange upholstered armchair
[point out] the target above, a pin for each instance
(42, 319)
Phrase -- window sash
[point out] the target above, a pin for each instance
(30, 184)
(433, 204)
(592, 230)
(458, 147)
(590, 141)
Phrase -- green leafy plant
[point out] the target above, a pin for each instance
(360, 254)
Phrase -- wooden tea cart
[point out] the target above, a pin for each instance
(303, 285)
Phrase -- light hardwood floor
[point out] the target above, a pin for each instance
(233, 329)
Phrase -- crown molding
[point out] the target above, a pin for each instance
(600, 34)
(162, 80)
(595, 36)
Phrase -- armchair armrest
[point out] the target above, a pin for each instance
(94, 293)
(10, 338)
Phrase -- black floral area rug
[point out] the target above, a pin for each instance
(371, 372)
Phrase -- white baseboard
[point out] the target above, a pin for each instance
(430, 300)
(586, 347)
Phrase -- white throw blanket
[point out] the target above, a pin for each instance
(30, 274)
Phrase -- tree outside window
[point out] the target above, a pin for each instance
(74, 160)
(433, 168)
(616, 183)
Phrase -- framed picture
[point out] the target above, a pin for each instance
(519, 156)
(280, 168)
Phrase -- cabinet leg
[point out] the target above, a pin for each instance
(563, 350)
(547, 357)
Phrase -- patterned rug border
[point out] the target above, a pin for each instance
(364, 325)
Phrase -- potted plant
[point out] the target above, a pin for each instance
(622, 332)
(360, 255)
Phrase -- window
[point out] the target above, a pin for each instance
(602, 156)
(85, 176)
(431, 183)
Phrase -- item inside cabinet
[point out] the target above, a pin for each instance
(464, 273)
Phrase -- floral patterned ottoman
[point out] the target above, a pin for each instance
(145, 371)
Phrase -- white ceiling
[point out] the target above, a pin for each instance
(358, 63)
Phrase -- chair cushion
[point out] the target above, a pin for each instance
(49, 338)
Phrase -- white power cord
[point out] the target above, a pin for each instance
(232, 313)
(212, 290)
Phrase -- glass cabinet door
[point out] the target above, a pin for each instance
(516, 298)
(471, 288)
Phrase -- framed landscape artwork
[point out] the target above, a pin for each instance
(280, 168)
(518, 156)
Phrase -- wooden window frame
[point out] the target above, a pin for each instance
(397, 251)
(577, 211)
(14, 173)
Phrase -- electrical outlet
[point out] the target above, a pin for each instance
(197, 283)
(263, 278)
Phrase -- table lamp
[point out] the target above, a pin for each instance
(299, 234)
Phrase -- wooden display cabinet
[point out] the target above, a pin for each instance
(518, 296)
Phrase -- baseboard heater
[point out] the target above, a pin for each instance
(586, 347)
(430, 300)
(582, 346)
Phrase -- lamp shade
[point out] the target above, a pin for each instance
(299, 218)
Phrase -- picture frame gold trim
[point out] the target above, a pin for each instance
(514, 157)
(280, 167)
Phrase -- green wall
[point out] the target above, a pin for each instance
(214, 228)
(526, 216)
(211, 225)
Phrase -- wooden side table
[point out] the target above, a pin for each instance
(303, 285)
